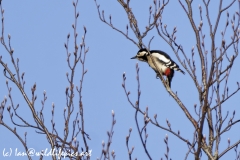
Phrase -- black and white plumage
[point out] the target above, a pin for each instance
(163, 61)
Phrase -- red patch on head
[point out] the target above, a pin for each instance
(167, 72)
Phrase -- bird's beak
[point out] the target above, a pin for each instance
(134, 57)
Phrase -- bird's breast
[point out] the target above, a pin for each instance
(160, 66)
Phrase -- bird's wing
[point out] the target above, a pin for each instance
(165, 60)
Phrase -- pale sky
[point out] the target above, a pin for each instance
(38, 32)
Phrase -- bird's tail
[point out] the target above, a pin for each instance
(169, 81)
(169, 77)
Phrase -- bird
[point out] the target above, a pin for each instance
(163, 61)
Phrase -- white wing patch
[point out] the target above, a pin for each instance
(162, 58)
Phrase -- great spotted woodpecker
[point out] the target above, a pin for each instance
(163, 61)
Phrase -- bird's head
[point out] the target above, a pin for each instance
(141, 55)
